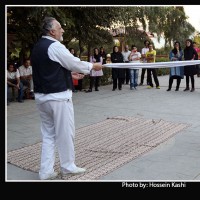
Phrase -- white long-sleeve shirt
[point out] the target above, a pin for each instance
(59, 53)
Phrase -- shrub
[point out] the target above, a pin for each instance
(162, 71)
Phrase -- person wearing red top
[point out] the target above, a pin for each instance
(198, 52)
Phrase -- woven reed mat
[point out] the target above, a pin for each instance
(104, 146)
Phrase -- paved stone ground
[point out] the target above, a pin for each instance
(176, 159)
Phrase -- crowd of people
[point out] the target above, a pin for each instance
(21, 77)
(129, 76)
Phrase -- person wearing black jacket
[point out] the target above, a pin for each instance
(118, 74)
(190, 70)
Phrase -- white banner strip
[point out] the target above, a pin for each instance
(153, 65)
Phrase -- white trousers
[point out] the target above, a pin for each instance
(57, 127)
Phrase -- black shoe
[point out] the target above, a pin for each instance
(168, 89)
(89, 91)
(186, 89)
(96, 89)
(20, 101)
(141, 84)
(177, 89)
(32, 96)
(120, 88)
(113, 89)
(192, 90)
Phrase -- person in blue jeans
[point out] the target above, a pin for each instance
(134, 57)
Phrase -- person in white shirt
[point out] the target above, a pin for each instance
(13, 80)
(144, 60)
(26, 76)
(52, 64)
(126, 54)
(134, 57)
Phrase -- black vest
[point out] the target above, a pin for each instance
(48, 76)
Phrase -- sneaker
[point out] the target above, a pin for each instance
(77, 170)
(149, 87)
(158, 87)
(141, 84)
(49, 176)
(131, 88)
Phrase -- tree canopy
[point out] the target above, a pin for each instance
(89, 25)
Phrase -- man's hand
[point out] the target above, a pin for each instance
(97, 66)
(77, 76)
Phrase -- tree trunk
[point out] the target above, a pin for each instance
(88, 54)
(81, 48)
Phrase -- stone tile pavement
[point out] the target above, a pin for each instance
(176, 159)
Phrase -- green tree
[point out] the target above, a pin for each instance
(89, 25)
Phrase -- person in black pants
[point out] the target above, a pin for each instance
(126, 54)
(143, 53)
(151, 56)
(190, 70)
(94, 75)
(118, 74)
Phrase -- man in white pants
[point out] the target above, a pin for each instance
(52, 65)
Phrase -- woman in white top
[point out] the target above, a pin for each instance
(95, 75)
(134, 57)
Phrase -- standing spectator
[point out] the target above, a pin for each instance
(144, 60)
(134, 57)
(72, 51)
(103, 55)
(190, 70)
(26, 76)
(176, 54)
(126, 54)
(95, 75)
(118, 74)
(52, 66)
(151, 58)
(13, 80)
(198, 52)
